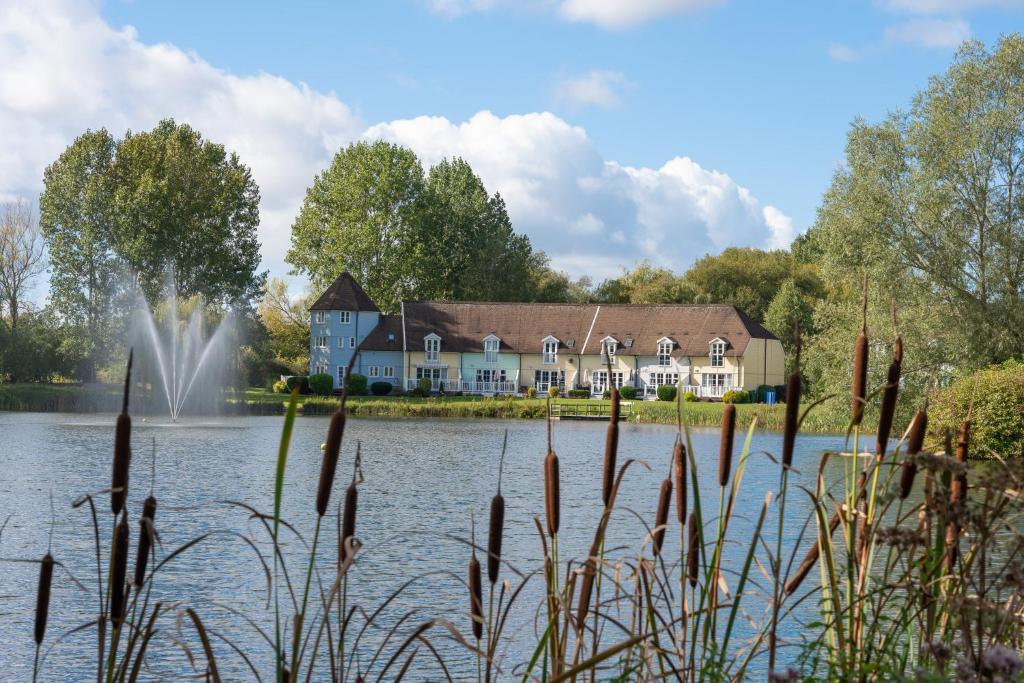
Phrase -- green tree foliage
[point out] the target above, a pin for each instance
(286, 321)
(992, 397)
(645, 284)
(552, 286)
(790, 312)
(34, 352)
(185, 203)
(360, 216)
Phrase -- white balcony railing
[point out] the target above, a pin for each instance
(466, 387)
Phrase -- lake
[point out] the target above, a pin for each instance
(423, 481)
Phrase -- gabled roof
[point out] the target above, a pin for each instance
(344, 294)
(386, 336)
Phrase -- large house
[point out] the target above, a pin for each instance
(504, 348)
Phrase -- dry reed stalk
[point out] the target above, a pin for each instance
(146, 534)
(958, 487)
(611, 444)
(661, 516)
(118, 571)
(725, 449)
(679, 469)
(915, 441)
(122, 448)
(43, 597)
(888, 409)
(692, 550)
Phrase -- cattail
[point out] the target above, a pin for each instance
(958, 488)
(122, 448)
(692, 550)
(146, 534)
(611, 446)
(915, 441)
(476, 607)
(118, 571)
(497, 523)
(793, 390)
(952, 545)
(860, 378)
(725, 451)
(679, 467)
(43, 597)
(552, 487)
(888, 409)
(348, 521)
(332, 449)
(661, 516)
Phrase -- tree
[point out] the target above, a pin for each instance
(184, 203)
(553, 286)
(463, 237)
(790, 313)
(645, 284)
(358, 216)
(287, 323)
(21, 255)
(76, 212)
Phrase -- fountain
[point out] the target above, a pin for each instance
(184, 366)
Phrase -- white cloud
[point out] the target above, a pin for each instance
(593, 89)
(617, 14)
(838, 52)
(929, 32)
(948, 6)
(65, 70)
(456, 8)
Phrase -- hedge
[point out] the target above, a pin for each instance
(994, 397)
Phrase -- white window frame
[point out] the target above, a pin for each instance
(345, 317)
(341, 375)
(549, 351)
(609, 346)
(491, 347)
(321, 341)
(545, 379)
(716, 353)
(487, 375)
(373, 371)
(319, 317)
(598, 383)
(341, 342)
(351, 342)
(432, 348)
(716, 379)
(320, 369)
(389, 371)
(665, 352)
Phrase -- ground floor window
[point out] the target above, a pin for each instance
(490, 375)
(341, 373)
(714, 379)
(599, 380)
(659, 379)
(432, 373)
(373, 371)
(389, 371)
(319, 369)
(545, 379)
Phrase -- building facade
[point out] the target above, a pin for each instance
(506, 348)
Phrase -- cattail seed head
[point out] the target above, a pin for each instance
(476, 608)
(552, 494)
(888, 409)
(348, 521)
(692, 549)
(918, 429)
(679, 470)
(494, 532)
(725, 450)
(661, 516)
(793, 389)
(860, 379)
(146, 533)
(43, 597)
(962, 441)
(122, 448)
(332, 450)
(118, 571)
(611, 447)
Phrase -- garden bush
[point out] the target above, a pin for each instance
(735, 396)
(356, 384)
(666, 392)
(579, 393)
(321, 384)
(997, 418)
(299, 381)
(553, 392)
(627, 392)
(531, 392)
(279, 387)
(380, 388)
(422, 388)
(690, 397)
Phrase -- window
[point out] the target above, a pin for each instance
(432, 373)
(389, 371)
(599, 380)
(550, 350)
(490, 375)
(608, 348)
(341, 342)
(320, 369)
(320, 317)
(345, 317)
(351, 342)
(662, 378)
(545, 379)
(341, 374)
(717, 353)
(715, 379)
(321, 342)
(373, 371)
(491, 350)
(432, 348)
(664, 352)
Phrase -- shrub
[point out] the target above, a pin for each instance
(297, 380)
(997, 421)
(579, 393)
(422, 388)
(690, 397)
(553, 392)
(531, 392)
(380, 388)
(735, 396)
(321, 384)
(627, 392)
(666, 392)
(279, 387)
(607, 394)
(356, 384)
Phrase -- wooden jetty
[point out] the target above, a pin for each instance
(584, 410)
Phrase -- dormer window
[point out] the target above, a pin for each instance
(320, 317)
(432, 348)
(491, 344)
(609, 345)
(550, 350)
(717, 353)
(665, 351)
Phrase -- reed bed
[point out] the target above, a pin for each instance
(911, 566)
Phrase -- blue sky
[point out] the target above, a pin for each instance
(618, 131)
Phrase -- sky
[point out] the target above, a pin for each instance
(616, 130)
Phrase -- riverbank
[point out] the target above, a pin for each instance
(107, 398)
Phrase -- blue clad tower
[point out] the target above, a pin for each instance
(340, 320)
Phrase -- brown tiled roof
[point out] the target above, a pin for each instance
(637, 327)
(387, 336)
(344, 294)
